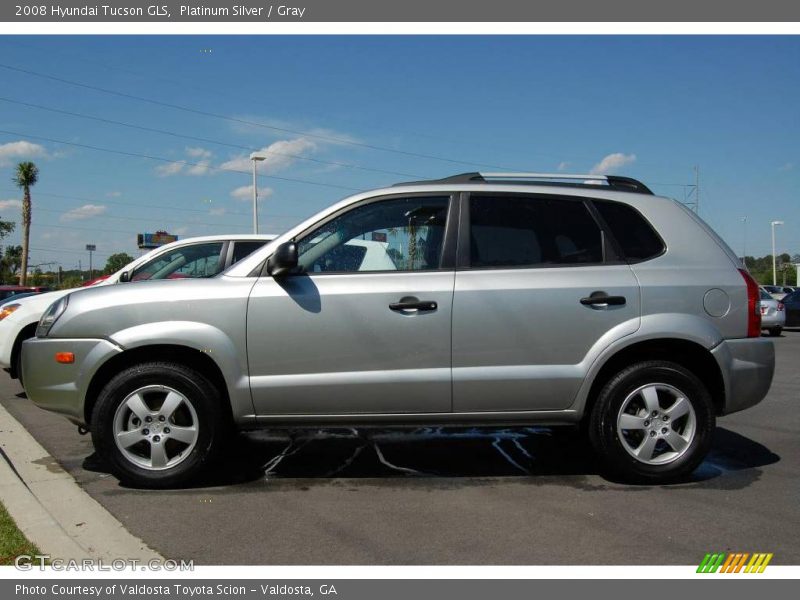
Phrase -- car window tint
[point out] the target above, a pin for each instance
(242, 249)
(199, 260)
(635, 235)
(517, 231)
(765, 295)
(404, 234)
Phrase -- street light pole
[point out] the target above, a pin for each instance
(744, 241)
(774, 269)
(255, 157)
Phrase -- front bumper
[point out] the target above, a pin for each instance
(58, 387)
(747, 367)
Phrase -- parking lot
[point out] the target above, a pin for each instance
(459, 496)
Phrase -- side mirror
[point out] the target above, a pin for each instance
(125, 276)
(283, 260)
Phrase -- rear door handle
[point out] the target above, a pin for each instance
(596, 298)
(420, 305)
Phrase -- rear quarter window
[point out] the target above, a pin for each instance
(636, 237)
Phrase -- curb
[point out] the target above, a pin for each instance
(52, 510)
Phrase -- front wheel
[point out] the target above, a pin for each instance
(159, 424)
(775, 331)
(652, 422)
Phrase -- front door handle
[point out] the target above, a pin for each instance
(420, 305)
(597, 298)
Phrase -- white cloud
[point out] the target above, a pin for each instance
(787, 167)
(612, 162)
(198, 152)
(199, 163)
(86, 211)
(20, 150)
(200, 168)
(563, 165)
(10, 204)
(171, 168)
(113, 194)
(279, 155)
(245, 192)
(217, 212)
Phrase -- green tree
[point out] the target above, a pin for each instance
(25, 177)
(10, 263)
(116, 262)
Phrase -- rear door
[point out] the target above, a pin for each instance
(537, 286)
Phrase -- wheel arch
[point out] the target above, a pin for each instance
(688, 354)
(185, 355)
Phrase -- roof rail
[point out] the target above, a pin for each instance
(613, 182)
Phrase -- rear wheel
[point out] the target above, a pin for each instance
(159, 424)
(775, 331)
(652, 422)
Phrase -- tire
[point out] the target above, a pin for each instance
(160, 453)
(775, 331)
(637, 447)
(18, 367)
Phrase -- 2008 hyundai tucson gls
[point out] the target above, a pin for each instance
(500, 298)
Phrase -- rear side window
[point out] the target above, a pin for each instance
(242, 249)
(635, 235)
(529, 231)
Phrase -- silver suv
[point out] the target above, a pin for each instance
(496, 299)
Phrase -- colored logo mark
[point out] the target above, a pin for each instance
(734, 562)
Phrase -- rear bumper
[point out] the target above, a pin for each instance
(747, 367)
(776, 319)
(57, 387)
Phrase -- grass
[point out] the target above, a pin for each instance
(12, 541)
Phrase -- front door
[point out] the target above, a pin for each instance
(364, 326)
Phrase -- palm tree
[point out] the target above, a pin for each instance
(26, 175)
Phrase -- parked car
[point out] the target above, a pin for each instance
(792, 307)
(10, 290)
(777, 291)
(506, 299)
(191, 257)
(773, 315)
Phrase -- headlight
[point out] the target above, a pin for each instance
(51, 315)
(7, 309)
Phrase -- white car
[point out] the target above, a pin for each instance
(203, 256)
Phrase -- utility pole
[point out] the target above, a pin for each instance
(91, 248)
(697, 189)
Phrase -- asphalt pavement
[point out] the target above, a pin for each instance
(460, 496)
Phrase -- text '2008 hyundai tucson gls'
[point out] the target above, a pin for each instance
(506, 298)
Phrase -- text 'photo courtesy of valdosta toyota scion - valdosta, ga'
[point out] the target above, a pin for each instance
(265, 11)
(652, 329)
(174, 589)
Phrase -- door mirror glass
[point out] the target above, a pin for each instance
(125, 277)
(283, 261)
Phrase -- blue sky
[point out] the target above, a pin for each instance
(363, 108)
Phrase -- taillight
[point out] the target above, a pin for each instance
(780, 305)
(753, 305)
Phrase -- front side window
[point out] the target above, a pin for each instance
(526, 231)
(403, 234)
(189, 262)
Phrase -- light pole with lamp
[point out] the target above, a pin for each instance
(774, 270)
(255, 157)
(744, 241)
